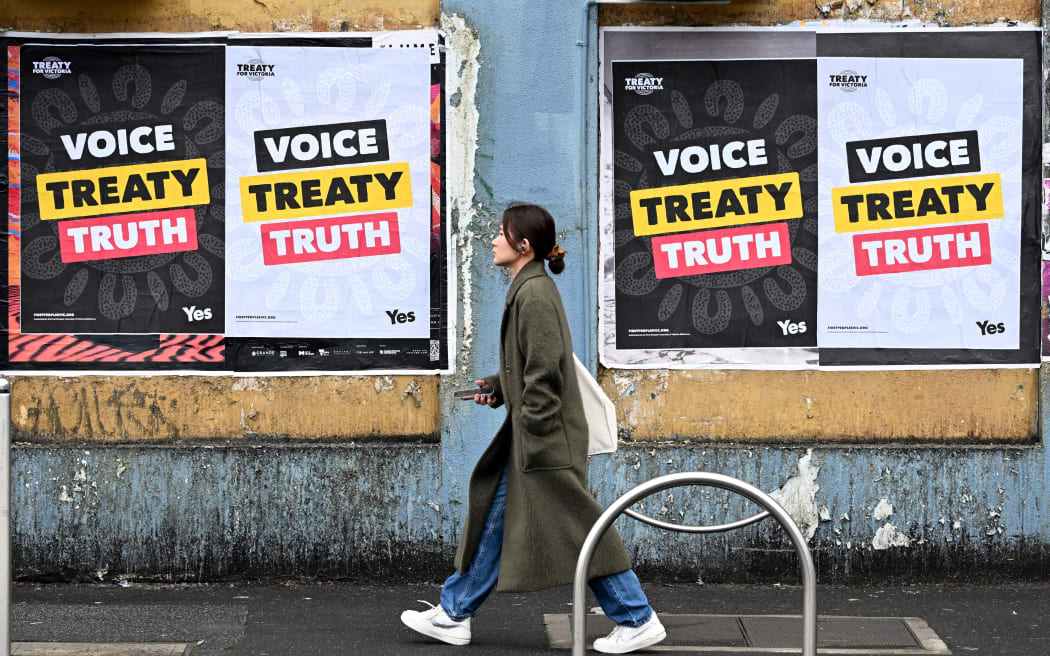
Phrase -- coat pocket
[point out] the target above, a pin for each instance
(541, 452)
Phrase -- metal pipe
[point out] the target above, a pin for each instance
(590, 544)
(589, 182)
(5, 517)
(683, 528)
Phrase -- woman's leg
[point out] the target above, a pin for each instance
(622, 599)
(462, 594)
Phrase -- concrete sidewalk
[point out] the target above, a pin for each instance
(342, 618)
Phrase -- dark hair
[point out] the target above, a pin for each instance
(532, 222)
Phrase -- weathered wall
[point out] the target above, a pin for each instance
(967, 507)
(194, 510)
(373, 512)
(200, 513)
(163, 408)
(227, 475)
(970, 405)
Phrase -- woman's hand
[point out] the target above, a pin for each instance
(484, 399)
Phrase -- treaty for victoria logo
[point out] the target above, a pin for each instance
(848, 80)
(255, 70)
(52, 68)
(643, 84)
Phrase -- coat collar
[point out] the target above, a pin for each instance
(533, 269)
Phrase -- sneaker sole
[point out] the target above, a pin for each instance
(649, 642)
(431, 632)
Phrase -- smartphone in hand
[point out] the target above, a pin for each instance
(469, 394)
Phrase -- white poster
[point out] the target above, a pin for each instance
(328, 197)
(919, 203)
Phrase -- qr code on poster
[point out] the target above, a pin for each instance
(435, 350)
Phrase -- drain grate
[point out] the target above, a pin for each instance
(856, 632)
(683, 630)
(773, 634)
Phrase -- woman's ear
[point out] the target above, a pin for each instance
(524, 246)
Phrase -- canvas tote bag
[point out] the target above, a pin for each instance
(599, 411)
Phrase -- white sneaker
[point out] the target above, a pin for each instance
(437, 624)
(624, 639)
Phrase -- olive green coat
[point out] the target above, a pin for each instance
(543, 443)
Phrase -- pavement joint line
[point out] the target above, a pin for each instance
(101, 649)
(559, 636)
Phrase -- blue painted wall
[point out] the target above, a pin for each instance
(529, 146)
(370, 512)
(213, 512)
(189, 512)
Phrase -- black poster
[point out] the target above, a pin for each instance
(715, 203)
(122, 169)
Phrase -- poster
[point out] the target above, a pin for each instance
(354, 277)
(951, 278)
(115, 161)
(921, 206)
(715, 167)
(328, 215)
(917, 244)
(143, 284)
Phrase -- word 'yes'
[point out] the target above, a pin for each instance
(989, 328)
(789, 327)
(400, 317)
(193, 314)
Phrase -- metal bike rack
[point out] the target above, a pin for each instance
(622, 506)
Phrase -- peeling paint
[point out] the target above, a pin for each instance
(250, 384)
(889, 536)
(798, 496)
(464, 64)
(415, 392)
(965, 406)
(883, 510)
(158, 408)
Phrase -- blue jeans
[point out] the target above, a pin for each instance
(620, 595)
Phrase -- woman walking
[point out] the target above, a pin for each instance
(530, 509)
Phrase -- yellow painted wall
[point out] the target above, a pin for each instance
(971, 405)
(159, 408)
(208, 15)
